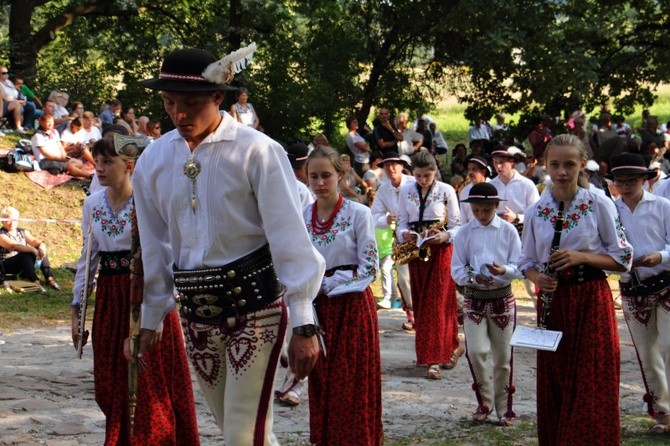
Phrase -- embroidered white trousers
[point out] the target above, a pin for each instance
(488, 327)
(235, 364)
(648, 319)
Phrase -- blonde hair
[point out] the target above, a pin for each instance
(329, 153)
(566, 140)
(8, 211)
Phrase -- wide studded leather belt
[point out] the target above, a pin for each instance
(211, 295)
(477, 294)
(650, 285)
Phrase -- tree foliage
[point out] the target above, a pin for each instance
(319, 60)
(532, 56)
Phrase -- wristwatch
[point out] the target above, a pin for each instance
(307, 330)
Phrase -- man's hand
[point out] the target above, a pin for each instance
(302, 355)
(146, 341)
(75, 329)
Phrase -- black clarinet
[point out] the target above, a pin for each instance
(546, 297)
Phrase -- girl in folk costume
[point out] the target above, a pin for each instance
(645, 292)
(578, 385)
(430, 207)
(484, 263)
(165, 411)
(345, 383)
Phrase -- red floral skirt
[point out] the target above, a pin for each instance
(165, 413)
(578, 385)
(435, 306)
(345, 389)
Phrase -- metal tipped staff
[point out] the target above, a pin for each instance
(136, 296)
(83, 302)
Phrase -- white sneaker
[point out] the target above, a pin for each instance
(20, 129)
(384, 304)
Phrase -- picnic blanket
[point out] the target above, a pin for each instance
(47, 180)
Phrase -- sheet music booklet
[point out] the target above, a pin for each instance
(536, 338)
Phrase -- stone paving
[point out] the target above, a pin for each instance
(46, 394)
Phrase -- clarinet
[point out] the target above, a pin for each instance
(555, 242)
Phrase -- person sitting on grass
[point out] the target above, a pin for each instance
(21, 252)
(51, 155)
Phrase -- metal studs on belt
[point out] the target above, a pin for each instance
(241, 303)
(230, 274)
(237, 290)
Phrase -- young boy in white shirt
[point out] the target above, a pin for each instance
(484, 263)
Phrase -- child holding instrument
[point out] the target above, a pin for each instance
(578, 385)
(484, 263)
(165, 412)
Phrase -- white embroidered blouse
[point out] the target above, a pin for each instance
(109, 232)
(591, 225)
(349, 241)
(440, 202)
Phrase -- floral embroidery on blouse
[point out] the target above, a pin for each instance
(370, 253)
(434, 197)
(571, 216)
(340, 225)
(110, 224)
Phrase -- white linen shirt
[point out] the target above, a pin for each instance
(349, 241)
(478, 245)
(306, 196)
(109, 232)
(519, 193)
(662, 188)
(591, 225)
(648, 230)
(386, 201)
(246, 197)
(441, 202)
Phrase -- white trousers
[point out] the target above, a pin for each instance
(235, 364)
(389, 290)
(488, 327)
(648, 319)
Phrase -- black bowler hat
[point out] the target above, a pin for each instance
(393, 156)
(630, 164)
(483, 193)
(192, 69)
(480, 162)
(297, 154)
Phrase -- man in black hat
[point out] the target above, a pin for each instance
(385, 216)
(478, 172)
(218, 214)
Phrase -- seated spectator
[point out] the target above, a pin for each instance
(458, 160)
(351, 185)
(28, 93)
(109, 113)
(14, 104)
(142, 122)
(60, 113)
(21, 253)
(75, 143)
(91, 130)
(154, 129)
(77, 109)
(441, 146)
(50, 153)
(374, 176)
(478, 131)
(243, 111)
(128, 116)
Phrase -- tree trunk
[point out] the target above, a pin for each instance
(22, 51)
(379, 66)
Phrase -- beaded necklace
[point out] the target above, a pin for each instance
(320, 228)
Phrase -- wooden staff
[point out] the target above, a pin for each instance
(136, 296)
(83, 334)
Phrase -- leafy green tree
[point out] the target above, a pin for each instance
(532, 56)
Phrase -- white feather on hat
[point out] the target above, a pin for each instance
(223, 71)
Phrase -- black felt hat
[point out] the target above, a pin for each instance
(483, 193)
(480, 162)
(297, 154)
(630, 164)
(182, 70)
